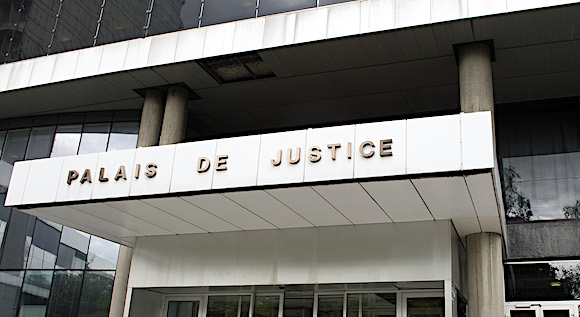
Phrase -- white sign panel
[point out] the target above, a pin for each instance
(424, 145)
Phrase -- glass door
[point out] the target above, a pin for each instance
(423, 304)
(182, 307)
(557, 311)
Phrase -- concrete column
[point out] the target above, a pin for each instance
(475, 78)
(121, 279)
(148, 136)
(175, 116)
(485, 283)
(151, 117)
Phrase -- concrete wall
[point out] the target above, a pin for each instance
(417, 251)
(538, 240)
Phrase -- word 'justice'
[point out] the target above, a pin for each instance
(366, 150)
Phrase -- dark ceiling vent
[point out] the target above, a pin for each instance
(239, 67)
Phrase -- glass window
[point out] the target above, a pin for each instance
(40, 142)
(14, 149)
(543, 281)
(94, 138)
(10, 287)
(17, 241)
(330, 305)
(431, 306)
(69, 258)
(4, 218)
(228, 306)
(44, 246)
(182, 309)
(123, 136)
(77, 24)
(38, 31)
(2, 138)
(102, 254)
(122, 20)
(169, 16)
(266, 306)
(220, 11)
(539, 155)
(66, 290)
(276, 6)
(327, 2)
(298, 305)
(75, 239)
(370, 305)
(66, 140)
(96, 293)
(35, 293)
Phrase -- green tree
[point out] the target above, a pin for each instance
(572, 212)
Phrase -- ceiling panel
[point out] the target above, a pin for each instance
(438, 192)
(125, 220)
(192, 214)
(310, 205)
(483, 195)
(353, 202)
(151, 214)
(491, 224)
(399, 199)
(269, 208)
(465, 227)
(230, 211)
(99, 225)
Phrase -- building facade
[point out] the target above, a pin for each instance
(220, 158)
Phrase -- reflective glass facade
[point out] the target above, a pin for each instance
(557, 280)
(47, 269)
(32, 28)
(539, 156)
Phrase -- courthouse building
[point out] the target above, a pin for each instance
(290, 158)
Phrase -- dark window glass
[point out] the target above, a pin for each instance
(276, 6)
(123, 136)
(542, 281)
(10, 287)
(35, 293)
(17, 241)
(64, 297)
(327, 2)
(522, 313)
(539, 155)
(69, 258)
(122, 20)
(372, 305)
(15, 146)
(2, 138)
(13, 18)
(102, 254)
(20, 123)
(330, 305)
(44, 246)
(220, 11)
(50, 119)
(127, 115)
(96, 294)
(38, 29)
(66, 140)
(99, 117)
(419, 307)
(70, 118)
(94, 138)
(228, 306)
(167, 16)
(298, 305)
(40, 143)
(266, 306)
(4, 218)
